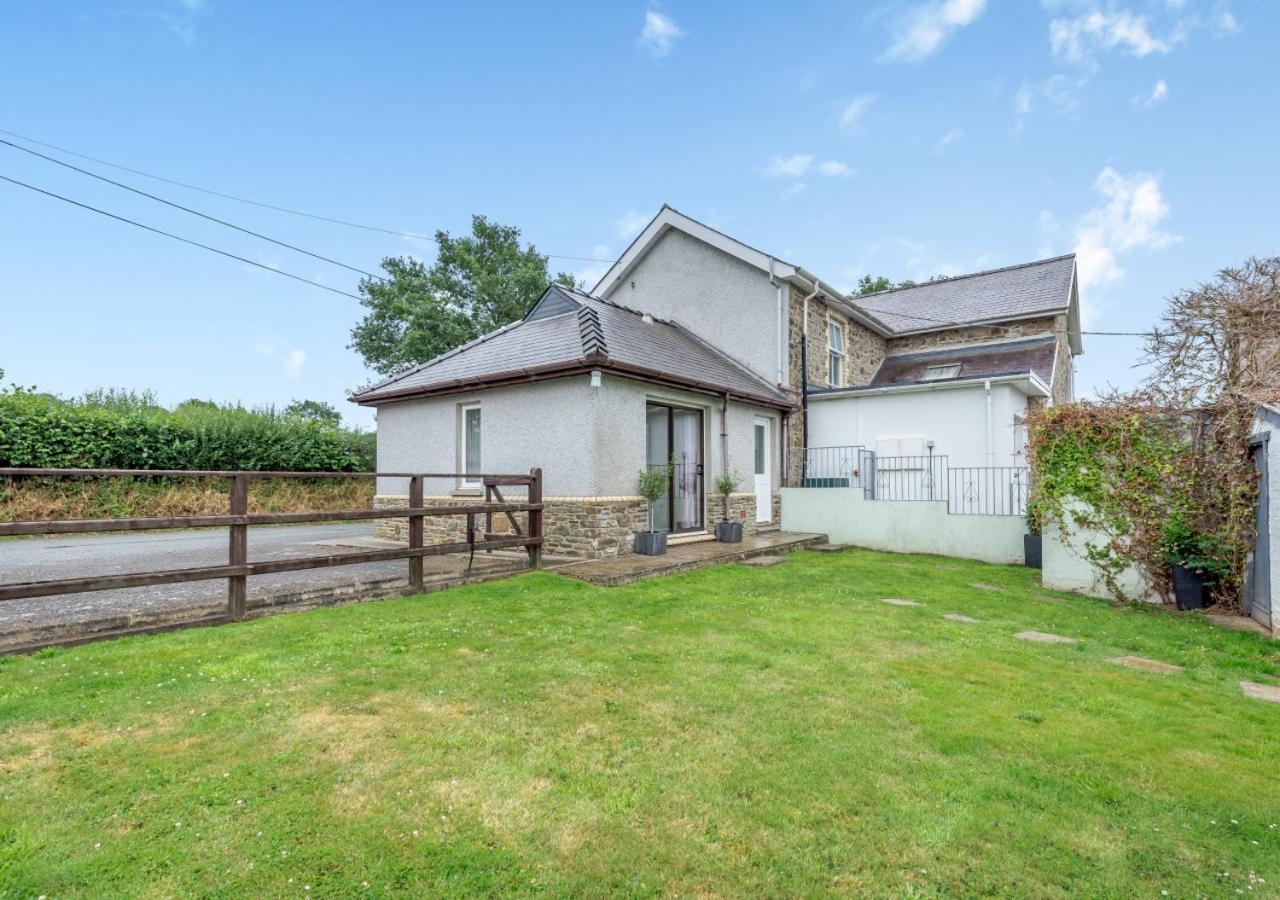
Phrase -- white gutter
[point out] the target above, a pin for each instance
(1036, 384)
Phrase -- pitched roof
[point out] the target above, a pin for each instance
(568, 331)
(1021, 291)
(1033, 356)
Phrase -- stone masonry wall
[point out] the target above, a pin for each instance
(589, 527)
(864, 350)
(971, 334)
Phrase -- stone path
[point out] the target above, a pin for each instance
(1044, 637)
(961, 617)
(1268, 692)
(1141, 662)
(986, 586)
(896, 601)
(764, 562)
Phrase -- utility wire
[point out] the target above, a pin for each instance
(259, 203)
(175, 237)
(194, 212)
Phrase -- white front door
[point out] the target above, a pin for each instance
(764, 493)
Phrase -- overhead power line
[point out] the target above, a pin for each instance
(194, 212)
(281, 209)
(110, 215)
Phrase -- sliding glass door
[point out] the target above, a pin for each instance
(673, 437)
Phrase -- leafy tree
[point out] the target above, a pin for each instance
(869, 285)
(478, 282)
(314, 411)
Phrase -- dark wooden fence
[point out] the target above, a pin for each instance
(237, 522)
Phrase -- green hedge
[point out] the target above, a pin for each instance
(40, 430)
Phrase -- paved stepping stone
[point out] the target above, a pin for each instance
(896, 601)
(982, 585)
(1043, 637)
(1048, 599)
(1141, 662)
(960, 617)
(1269, 692)
(763, 562)
(830, 548)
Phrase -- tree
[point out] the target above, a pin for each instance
(869, 285)
(314, 411)
(478, 282)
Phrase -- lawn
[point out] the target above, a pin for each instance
(730, 732)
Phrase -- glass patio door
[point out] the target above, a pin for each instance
(673, 437)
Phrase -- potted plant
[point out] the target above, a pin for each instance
(728, 532)
(1193, 561)
(653, 486)
(1033, 540)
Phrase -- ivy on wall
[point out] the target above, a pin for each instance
(1153, 482)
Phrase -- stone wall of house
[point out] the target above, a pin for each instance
(588, 527)
(970, 334)
(864, 351)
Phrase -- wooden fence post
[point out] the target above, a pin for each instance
(238, 551)
(535, 517)
(415, 533)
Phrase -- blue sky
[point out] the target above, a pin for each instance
(907, 140)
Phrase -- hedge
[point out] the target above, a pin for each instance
(40, 430)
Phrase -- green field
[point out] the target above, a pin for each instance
(729, 732)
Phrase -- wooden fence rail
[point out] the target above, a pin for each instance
(237, 522)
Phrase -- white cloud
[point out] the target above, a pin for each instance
(1226, 23)
(630, 223)
(851, 112)
(1076, 40)
(921, 31)
(294, 363)
(947, 140)
(798, 165)
(1058, 92)
(1158, 95)
(659, 34)
(1129, 217)
(794, 190)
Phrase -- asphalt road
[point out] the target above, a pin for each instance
(75, 556)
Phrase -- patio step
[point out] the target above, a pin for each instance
(633, 567)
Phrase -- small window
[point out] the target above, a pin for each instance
(469, 439)
(940, 373)
(761, 449)
(835, 354)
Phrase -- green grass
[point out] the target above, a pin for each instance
(729, 732)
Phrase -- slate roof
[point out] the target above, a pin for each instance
(1035, 355)
(568, 331)
(1014, 292)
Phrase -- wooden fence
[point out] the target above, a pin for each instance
(237, 522)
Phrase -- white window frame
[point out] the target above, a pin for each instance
(835, 358)
(464, 482)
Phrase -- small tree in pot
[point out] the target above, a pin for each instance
(1196, 560)
(653, 486)
(728, 532)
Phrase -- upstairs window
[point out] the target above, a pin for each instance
(835, 353)
(941, 373)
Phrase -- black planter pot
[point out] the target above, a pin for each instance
(651, 543)
(1188, 588)
(1032, 548)
(729, 532)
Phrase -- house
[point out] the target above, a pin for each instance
(690, 351)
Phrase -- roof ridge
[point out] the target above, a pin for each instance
(591, 332)
(1034, 262)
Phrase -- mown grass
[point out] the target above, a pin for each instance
(731, 732)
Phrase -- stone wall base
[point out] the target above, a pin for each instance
(588, 527)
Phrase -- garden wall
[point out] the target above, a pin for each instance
(1067, 567)
(902, 526)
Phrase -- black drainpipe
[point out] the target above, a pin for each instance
(804, 408)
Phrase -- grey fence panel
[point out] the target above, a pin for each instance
(910, 477)
(988, 490)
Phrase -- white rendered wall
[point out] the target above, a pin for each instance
(901, 526)
(954, 418)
